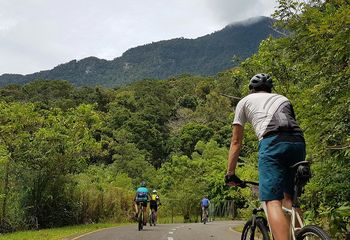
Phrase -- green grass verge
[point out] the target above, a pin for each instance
(56, 233)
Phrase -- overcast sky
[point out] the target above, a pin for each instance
(40, 34)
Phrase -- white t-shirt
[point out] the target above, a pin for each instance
(267, 112)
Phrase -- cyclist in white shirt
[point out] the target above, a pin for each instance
(281, 144)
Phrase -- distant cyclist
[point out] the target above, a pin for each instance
(205, 206)
(142, 196)
(154, 202)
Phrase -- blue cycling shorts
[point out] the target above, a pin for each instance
(277, 153)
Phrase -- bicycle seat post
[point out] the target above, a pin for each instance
(295, 201)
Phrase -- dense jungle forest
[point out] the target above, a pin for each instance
(72, 155)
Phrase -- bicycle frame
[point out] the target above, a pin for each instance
(294, 218)
(296, 223)
(254, 217)
(139, 208)
(152, 216)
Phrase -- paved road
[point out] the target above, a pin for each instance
(221, 230)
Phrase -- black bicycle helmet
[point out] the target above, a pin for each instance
(143, 184)
(261, 80)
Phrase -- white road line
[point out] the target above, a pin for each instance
(170, 238)
(171, 233)
(173, 229)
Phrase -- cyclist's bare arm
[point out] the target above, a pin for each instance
(235, 147)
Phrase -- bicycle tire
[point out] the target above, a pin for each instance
(154, 218)
(204, 220)
(312, 232)
(260, 226)
(140, 220)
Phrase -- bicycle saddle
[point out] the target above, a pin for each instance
(302, 172)
(300, 163)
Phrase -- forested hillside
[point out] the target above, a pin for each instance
(71, 155)
(204, 56)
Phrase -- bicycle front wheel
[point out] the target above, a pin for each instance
(260, 232)
(154, 218)
(312, 232)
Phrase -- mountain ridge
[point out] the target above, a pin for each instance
(205, 55)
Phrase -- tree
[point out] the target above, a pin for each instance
(17, 124)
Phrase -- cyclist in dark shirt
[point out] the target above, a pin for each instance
(154, 202)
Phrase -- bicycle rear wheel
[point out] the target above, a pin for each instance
(260, 232)
(152, 218)
(140, 220)
(312, 232)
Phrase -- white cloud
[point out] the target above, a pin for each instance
(40, 34)
(228, 11)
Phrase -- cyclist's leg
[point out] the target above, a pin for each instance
(145, 213)
(287, 203)
(271, 183)
(297, 153)
(151, 213)
(153, 207)
(278, 221)
(136, 209)
(155, 212)
(202, 215)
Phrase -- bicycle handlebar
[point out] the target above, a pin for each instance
(237, 181)
(244, 184)
(251, 183)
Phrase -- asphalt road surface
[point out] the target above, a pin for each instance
(220, 230)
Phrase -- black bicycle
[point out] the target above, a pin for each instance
(152, 217)
(140, 215)
(257, 226)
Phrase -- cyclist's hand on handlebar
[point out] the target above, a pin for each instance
(233, 180)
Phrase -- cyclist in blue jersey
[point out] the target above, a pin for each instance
(205, 206)
(142, 196)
